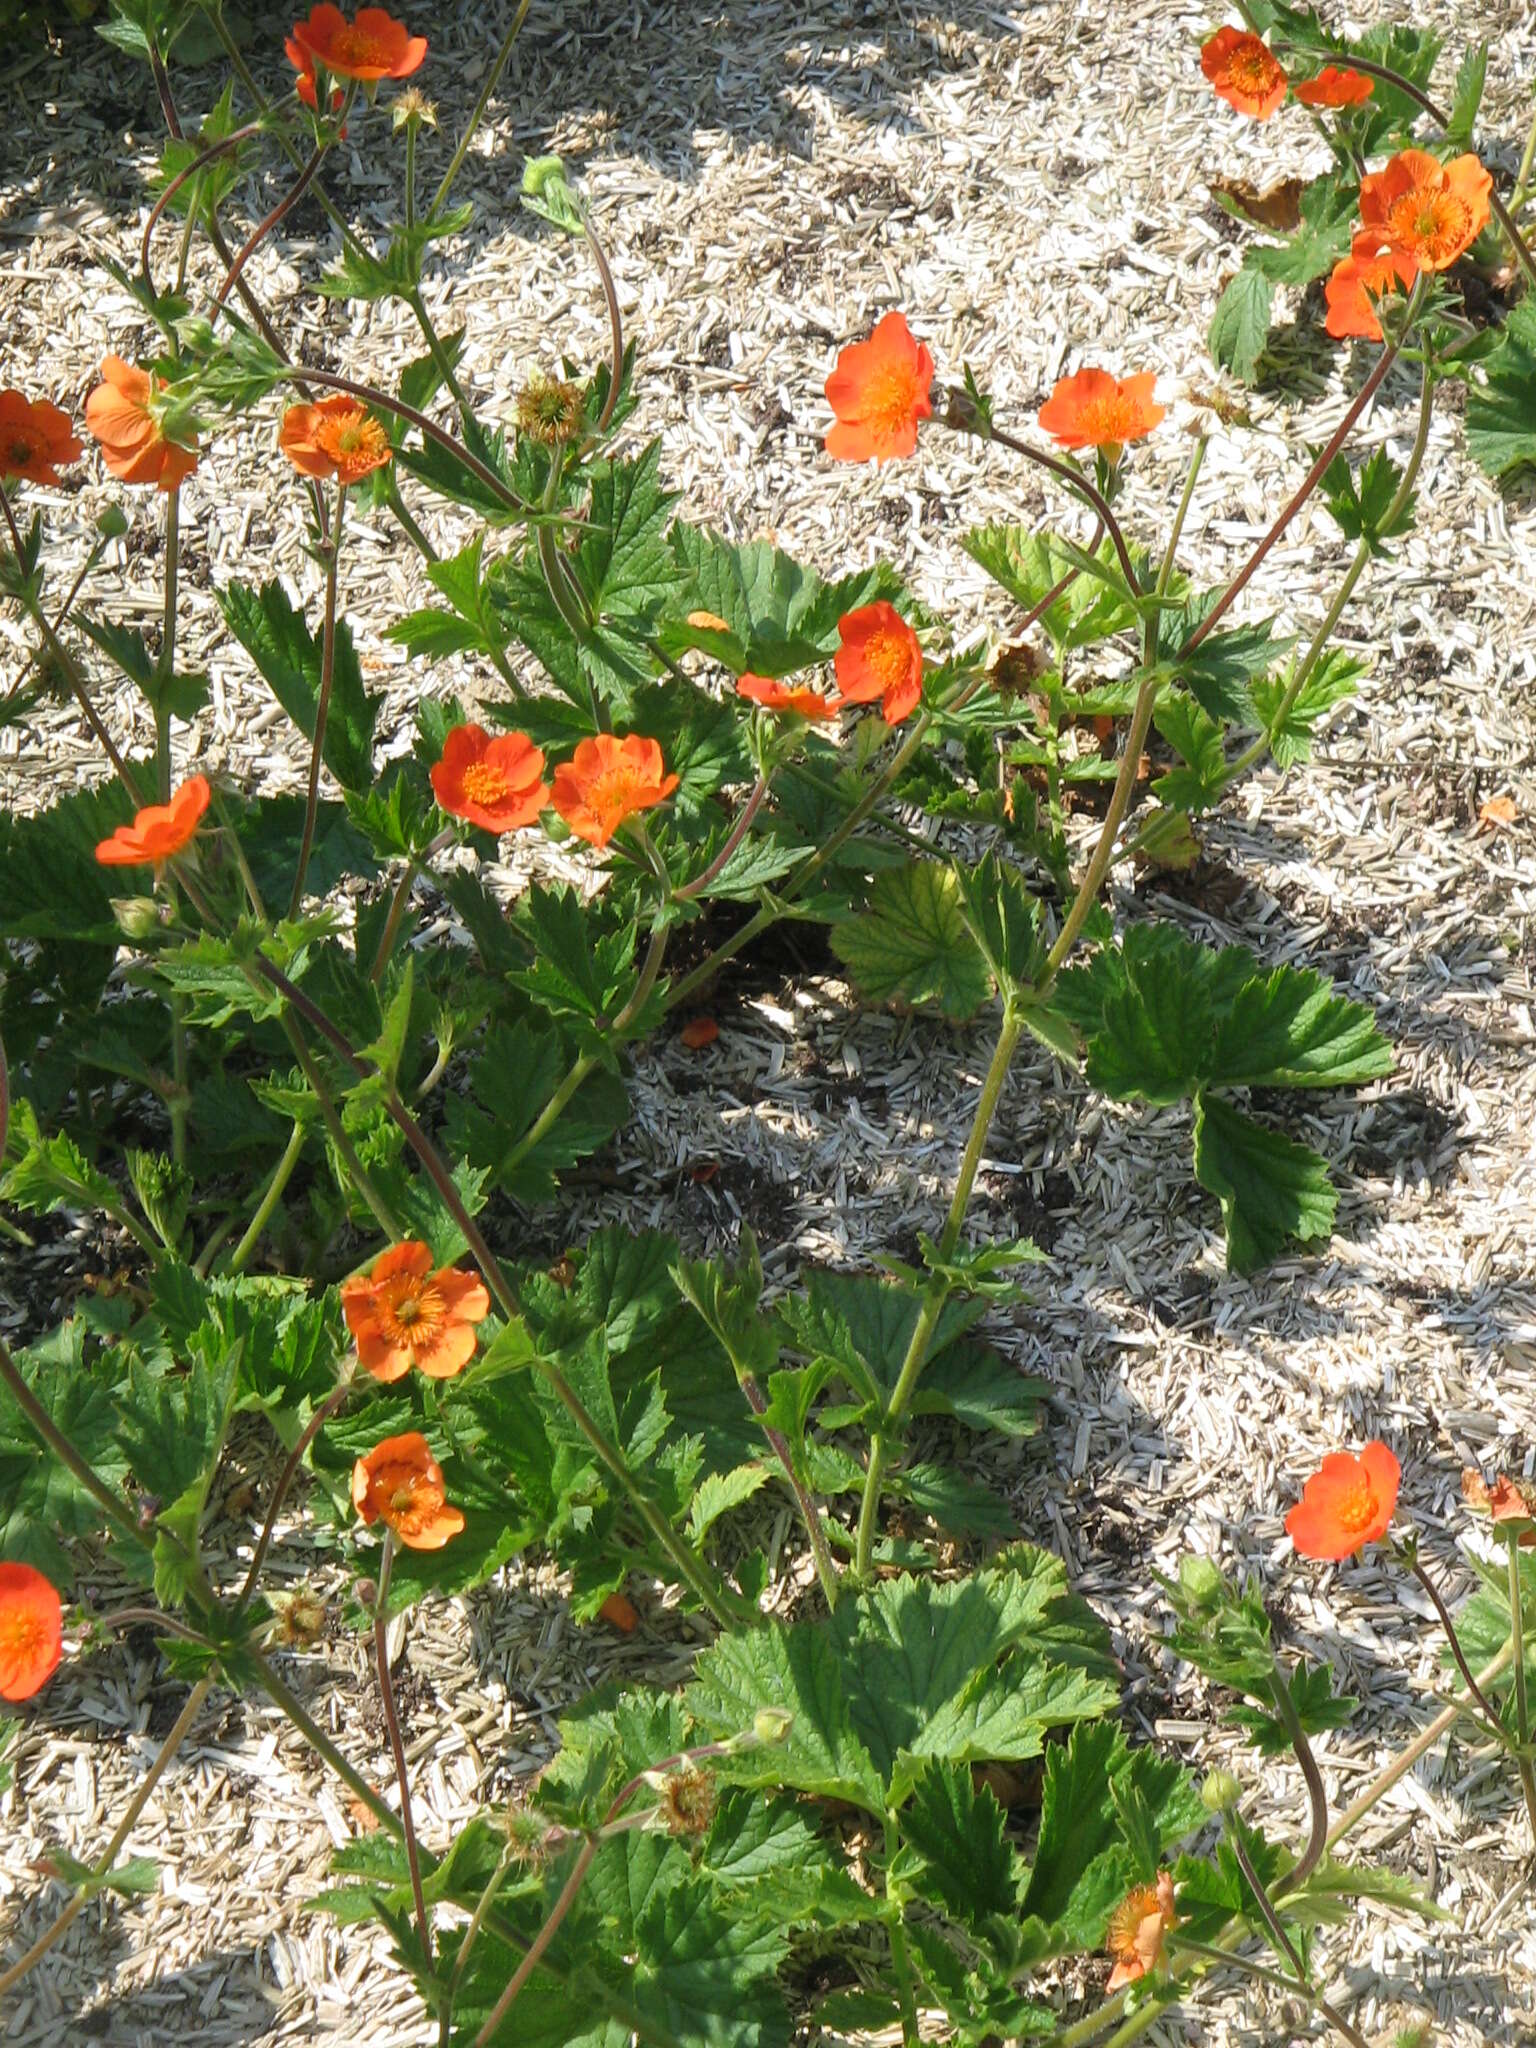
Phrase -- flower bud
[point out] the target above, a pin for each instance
(1201, 1582)
(1220, 1791)
(366, 1593)
(771, 1725)
(138, 917)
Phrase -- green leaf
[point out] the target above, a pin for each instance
(1219, 671)
(1471, 75)
(973, 1385)
(754, 608)
(1085, 1859)
(955, 1847)
(42, 1504)
(1240, 324)
(1197, 739)
(624, 562)
(1270, 1188)
(1288, 1029)
(1360, 508)
(132, 1879)
(913, 945)
(46, 1173)
(1317, 1707)
(1030, 565)
(722, 1491)
(796, 1669)
(1328, 207)
(964, 1506)
(1501, 413)
(1331, 681)
(290, 659)
(1004, 920)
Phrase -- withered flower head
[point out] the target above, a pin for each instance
(686, 1800)
(551, 410)
(298, 1619)
(414, 106)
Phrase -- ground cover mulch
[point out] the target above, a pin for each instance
(1032, 184)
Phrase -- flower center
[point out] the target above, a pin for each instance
(1357, 1505)
(1111, 418)
(21, 448)
(890, 657)
(411, 1311)
(21, 1636)
(617, 792)
(1251, 70)
(354, 45)
(889, 397)
(1435, 225)
(485, 784)
(353, 439)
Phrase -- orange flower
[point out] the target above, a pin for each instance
(1137, 1929)
(777, 696)
(31, 1631)
(1095, 410)
(159, 830)
(879, 392)
(304, 84)
(337, 437)
(403, 1314)
(401, 1483)
(607, 780)
(122, 415)
(1243, 72)
(494, 783)
(35, 437)
(1510, 1501)
(879, 657)
(1334, 88)
(372, 47)
(1430, 210)
(1371, 268)
(1346, 1504)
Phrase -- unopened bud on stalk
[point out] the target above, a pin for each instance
(771, 1725)
(1220, 1791)
(366, 1593)
(138, 917)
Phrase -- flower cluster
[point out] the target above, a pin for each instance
(498, 783)
(1244, 71)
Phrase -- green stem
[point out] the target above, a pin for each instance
(1522, 190)
(587, 1064)
(108, 1857)
(321, 1743)
(410, 172)
(322, 705)
(397, 906)
(1522, 1704)
(1410, 1557)
(167, 661)
(408, 522)
(938, 1290)
(1317, 1794)
(1255, 753)
(285, 1479)
(440, 357)
(810, 1514)
(1314, 475)
(1104, 851)
(1209, 1952)
(397, 1747)
(178, 1100)
(477, 114)
(65, 1451)
(346, 1150)
(282, 1174)
(901, 1961)
(1170, 553)
(59, 619)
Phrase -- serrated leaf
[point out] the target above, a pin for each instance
(1471, 75)
(1317, 1707)
(964, 1506)
(1361, 506)
(913, 945)
(1327, 212)
(1240, 324)
(1197, 739)
(290, 658)
(1270, 1188)
(1501, 412)
(796, 1669)
(1029, 565)
(955, 1846)
(1288, 1029)
(719, 1492)
(754, 608)
(1331, 681)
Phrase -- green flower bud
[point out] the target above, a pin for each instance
(1220, 1791)
(772, 1724)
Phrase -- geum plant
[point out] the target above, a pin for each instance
(309, 1135)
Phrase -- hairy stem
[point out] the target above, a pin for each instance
(267, 223)
(180, 1729)
(1317, 1795)
(1522, 1704)
(477, 113)
(239, 1258)
(397, 1746)
(810, 1514)
(322, 705)
(938, 1290)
